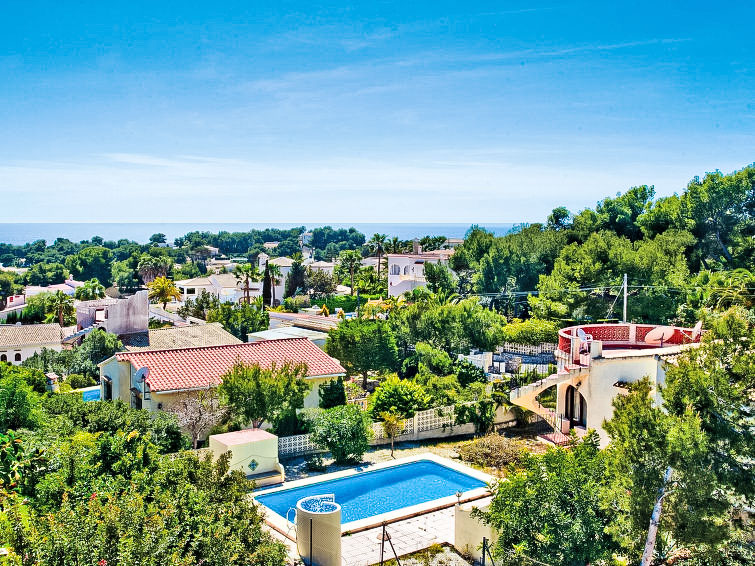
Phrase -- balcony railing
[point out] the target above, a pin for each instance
(628, 336)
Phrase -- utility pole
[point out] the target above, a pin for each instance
(625, 297)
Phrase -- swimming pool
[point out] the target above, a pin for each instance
(379, 491)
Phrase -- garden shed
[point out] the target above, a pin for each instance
(253, 451)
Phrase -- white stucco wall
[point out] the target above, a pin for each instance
(264, 452)
(26, 351)
(469, 531)
(597, 386)
(407, 272)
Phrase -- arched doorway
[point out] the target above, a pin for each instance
(575, 408)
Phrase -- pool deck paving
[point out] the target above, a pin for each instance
(410, 535)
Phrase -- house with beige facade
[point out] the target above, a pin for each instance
(154, 379)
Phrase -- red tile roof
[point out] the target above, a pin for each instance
(190, 368)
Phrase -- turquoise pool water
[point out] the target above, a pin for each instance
(380, 491)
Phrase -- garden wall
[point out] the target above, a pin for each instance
(433, 423)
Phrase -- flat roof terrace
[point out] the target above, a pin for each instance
(621, 339)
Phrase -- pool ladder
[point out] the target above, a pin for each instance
(291, 525)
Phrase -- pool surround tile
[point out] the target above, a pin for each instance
(285, 527)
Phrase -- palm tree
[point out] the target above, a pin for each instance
(396, 246)
(151, 267)
(163, 290)
(247, 272)
(392, 304)
(274, 273)
(90, 291)
(350, 260)
(59, 306)
(377, 245)
(443, 298)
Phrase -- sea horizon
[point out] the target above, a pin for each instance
(20, 233)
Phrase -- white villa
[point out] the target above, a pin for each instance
(326, 266)
(284, 264)
(407, 271)
(224, 286)
(21, 341)
(595, 364)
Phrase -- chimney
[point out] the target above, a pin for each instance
(416, 248)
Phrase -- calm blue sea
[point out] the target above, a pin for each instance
(20, 233)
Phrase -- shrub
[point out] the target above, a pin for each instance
(18, 404)
(467, 373)
(34, 377)
(112, 416)
(533, 332)
(332, 394)
(344, 431)
(294, 304)
(437, 361)
(402, 396)
(315, 464)
(443, 390)
(491, 451)
(481, 414)
(77, 381)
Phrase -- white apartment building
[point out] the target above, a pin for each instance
(406, 272)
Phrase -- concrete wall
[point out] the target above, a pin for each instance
(125, 316)
(129, 315)
(469, 531)
(264, 452)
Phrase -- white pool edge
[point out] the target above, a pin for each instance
(286, 527)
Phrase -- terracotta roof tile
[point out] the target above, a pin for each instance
(190, 368)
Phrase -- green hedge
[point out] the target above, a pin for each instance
(346, 302)
(533, 332)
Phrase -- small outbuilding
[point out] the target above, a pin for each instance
(253, 451)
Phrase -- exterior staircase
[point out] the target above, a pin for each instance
(526, 397)
(78, 334)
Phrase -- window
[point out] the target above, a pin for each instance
(108, 387)
(3, 358)
(406, 270)
(191, 291)
(18, 357)
(395, 269)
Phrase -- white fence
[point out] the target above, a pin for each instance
(527, 349)
(297, 445)
(433, 423)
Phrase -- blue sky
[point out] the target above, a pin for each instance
(383, 112)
